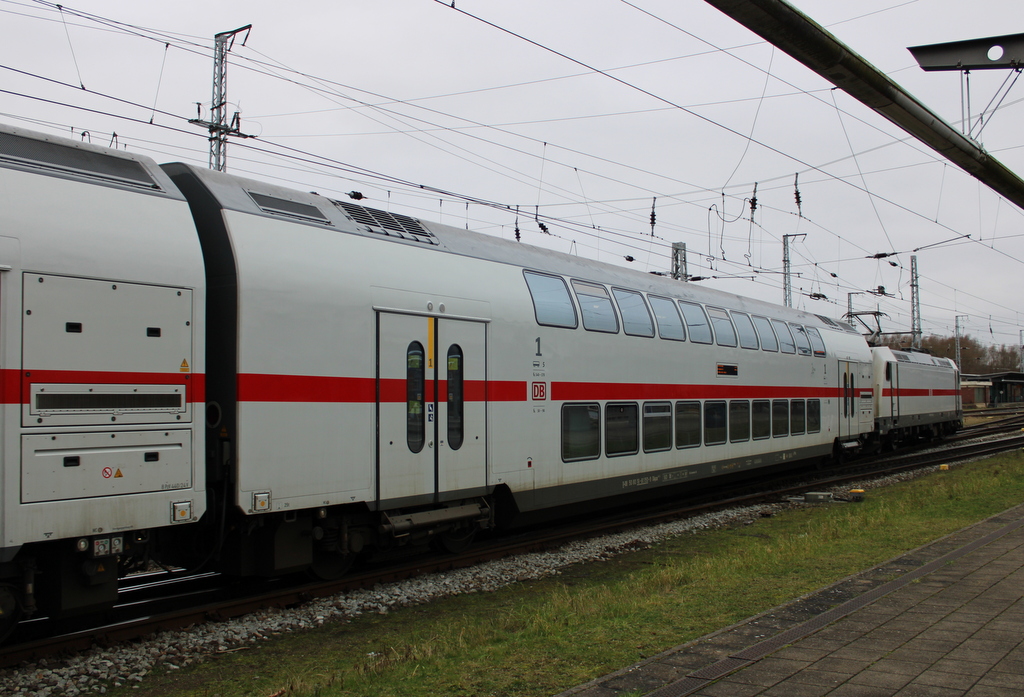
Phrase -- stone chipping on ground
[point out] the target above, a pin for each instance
(94, 671)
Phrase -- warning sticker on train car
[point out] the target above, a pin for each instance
(184, 366)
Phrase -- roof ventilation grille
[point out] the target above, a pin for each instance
(392, 224)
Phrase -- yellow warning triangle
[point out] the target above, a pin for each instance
(118, 473)
(184, 363)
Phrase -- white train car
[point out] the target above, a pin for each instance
(916, 395)
(101, 322)
(376, 379)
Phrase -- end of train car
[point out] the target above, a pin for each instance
(102, 331)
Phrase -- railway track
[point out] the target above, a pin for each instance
(156, 602)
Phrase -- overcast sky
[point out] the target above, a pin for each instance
(578, 114)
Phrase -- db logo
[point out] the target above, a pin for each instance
(540, 391)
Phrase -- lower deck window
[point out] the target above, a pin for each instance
(715, 423)
(761, 419)
(780, 417)
(657, 426)
(581, 432)
(687, 424)
(739, 421)
(796, 417)
(621, 432)
(813, 415)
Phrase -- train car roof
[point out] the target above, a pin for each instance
(30, 151)
(310, 208)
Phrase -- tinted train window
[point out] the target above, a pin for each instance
(715, 423)
(596, 306)
(551, 302)
(415, 413)
(785, 336)
(657, 426)
(816, 343)
(696, 322)
(744, 327)
(766, 334)
(803, 344)
(456, 402)
(813, 415)
(581, 432)
(780, 417)
(797, 425)
(725, 333)
(761, 419)
(636, 320)
(687, 424)
(739, 421)
(621, 432)
(670, 326)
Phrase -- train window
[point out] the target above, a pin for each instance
(785, 336)
(803, 345)
(761, 419)
(780, 417)
(816, 342)
(415, 378)
(687, 424)
(715, 423)
(696, 322)
(739, 421)
(725, 333)
(765, 333)
(621, 432)
(552, 305)
(456, 401)
(744, 327)
(596, 306)
(657, 426)
(670, 326)
(813, 415)
(581, 432)
(797, 425)
(636, 319)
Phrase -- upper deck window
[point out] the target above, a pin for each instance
(725, 333)
(765, 332)
(552, 304)
(596, 306)
(670, 326)
(745, 329)
(816, 342)
(696, 322)
(803, 344)
(785, 336)
(636, 319)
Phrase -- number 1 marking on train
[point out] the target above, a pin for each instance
(538, 347)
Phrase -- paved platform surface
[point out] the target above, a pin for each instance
(944, 620)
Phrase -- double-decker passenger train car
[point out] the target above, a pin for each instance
(350, 378)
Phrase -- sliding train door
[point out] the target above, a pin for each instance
(431, 409)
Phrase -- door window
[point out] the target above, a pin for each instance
(456, 398)
(415, 380)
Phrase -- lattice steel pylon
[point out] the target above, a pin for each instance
(915, 304)
(218, 124)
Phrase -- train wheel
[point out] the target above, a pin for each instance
(10, 611)
(455, 541)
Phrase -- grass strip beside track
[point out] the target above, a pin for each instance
(543, 637)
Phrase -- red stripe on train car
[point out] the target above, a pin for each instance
(257, 387)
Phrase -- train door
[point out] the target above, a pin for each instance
(893, 371)
(848, 416)
(431, 427)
